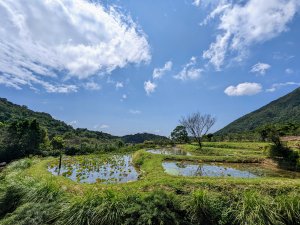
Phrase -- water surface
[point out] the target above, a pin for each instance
(114, 169)
(241, 170)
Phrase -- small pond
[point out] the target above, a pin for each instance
(114, 169)
(169, 151)
(241, 170)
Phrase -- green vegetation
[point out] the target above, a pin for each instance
(136, 189)
(24, 132)
(281, 112)
(31, 195)
(180, 135)
(142, 137)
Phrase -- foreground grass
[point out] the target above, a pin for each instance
(31, 195)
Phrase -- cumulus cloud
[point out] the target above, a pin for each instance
(101, 126)
(149, 87)
(104, 126)
(159, 72)
(289, 71)
(260, 68)
(92, 86)
(279, 85)
(243, 89)
(46, 43)
(189, 71)
(244, 24)
(197, 3)
(119, 85)
(73, 123)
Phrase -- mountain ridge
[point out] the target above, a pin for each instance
(285, 109)
(10, 111)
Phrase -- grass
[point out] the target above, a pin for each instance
(29, 194)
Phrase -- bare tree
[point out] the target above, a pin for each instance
(198, 125)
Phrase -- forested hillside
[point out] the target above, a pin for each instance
(279, 112)
(10, 112)
(141, 137)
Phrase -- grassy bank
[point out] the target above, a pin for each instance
(29, 194)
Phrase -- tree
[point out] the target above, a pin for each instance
(180, 135)
(22, 138)
(198, 125)
(209, 137)
(58, 143)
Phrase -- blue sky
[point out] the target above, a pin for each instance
(138, 65)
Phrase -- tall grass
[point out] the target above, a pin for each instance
(205, 208)
(288, 207)
(157, 207)
(93, 209)
(255, 209)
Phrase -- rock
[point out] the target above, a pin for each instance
(2, 164)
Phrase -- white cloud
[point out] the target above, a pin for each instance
(189, 71)
(101, 126)
(46, 43)
(197, 3)
(289, 71)
(243, 89)
(73, 123)
(149, 87)
(104, 126)
(279, 85)
(119, 85)
(260, 68)
(92, 86)
(159, 72)
(58, 88)
(245, 24)
(132, 111)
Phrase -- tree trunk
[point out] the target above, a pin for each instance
(199, 142)
(59, 166)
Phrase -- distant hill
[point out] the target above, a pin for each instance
(281, 111)
(141, 137)
(10, 112)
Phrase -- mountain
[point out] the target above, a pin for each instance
(141, 137)
(281, 111)
(10, 112)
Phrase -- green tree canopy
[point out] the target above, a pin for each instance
(180, 135)
(22, 138)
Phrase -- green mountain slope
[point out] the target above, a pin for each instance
(10, 112)
(281, 111)
(141, 137)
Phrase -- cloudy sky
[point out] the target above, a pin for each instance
(139, 65)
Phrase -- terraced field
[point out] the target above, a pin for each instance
(224, 183)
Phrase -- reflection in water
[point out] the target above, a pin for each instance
(169, 151)
(223, 170)
(116, 169)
